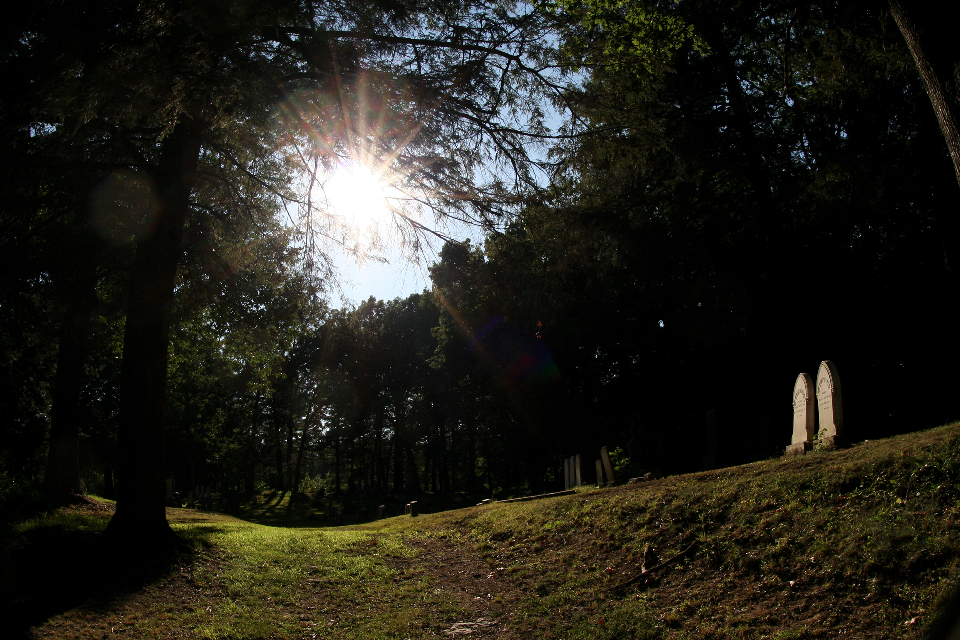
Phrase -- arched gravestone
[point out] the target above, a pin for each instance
(829, 405)
(804, 425)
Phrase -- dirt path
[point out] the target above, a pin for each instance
(484, 594)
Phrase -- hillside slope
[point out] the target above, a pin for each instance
(863, 542)
(859, 543)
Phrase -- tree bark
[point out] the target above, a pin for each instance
(336, 467)
(141, 514)
(250, 475)
(928, 31)
(304, 442)
(399, 437)
(278, 453)
(62, 477)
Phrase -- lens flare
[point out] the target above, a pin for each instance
(356, 191)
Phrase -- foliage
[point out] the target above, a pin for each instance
(633, 37)
(731, 173)
(316, 485)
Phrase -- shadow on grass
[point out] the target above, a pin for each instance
(282, 509)
(51, 569)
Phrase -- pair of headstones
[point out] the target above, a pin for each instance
(572, 473)
(809, 401)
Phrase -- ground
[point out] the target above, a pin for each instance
(863, 543)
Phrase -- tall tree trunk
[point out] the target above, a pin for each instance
(929, 32)
(288, 458)
(250, 477)
(399, 436)
(278, 458)
(336, 467)
(141, 516)
(304, 441)
(381, 464)
(439, 420)
(412, 480)
(62, 477)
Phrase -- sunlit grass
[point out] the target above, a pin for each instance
(865, 540)
(271, 581)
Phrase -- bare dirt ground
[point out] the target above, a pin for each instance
(483, 593)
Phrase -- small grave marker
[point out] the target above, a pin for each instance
(829, 405)
(803, 416)
(607, 466)
(599, 473)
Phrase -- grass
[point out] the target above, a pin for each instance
(863, 542)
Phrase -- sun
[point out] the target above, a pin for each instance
(358, 193)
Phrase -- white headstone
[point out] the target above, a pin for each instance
(804, 418)
(576, 470)
(829, 404)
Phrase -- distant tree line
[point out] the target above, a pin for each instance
(742, 190)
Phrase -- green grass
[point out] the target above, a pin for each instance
(863, 542)
(265, 573)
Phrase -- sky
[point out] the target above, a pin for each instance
(396, 279)
(399, 277)
(358, 197)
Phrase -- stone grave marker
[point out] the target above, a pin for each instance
(576, 469)
(599, 473)
(607, 466)
(566, 473)
(829, 405)
(380, 512)
(804, 429)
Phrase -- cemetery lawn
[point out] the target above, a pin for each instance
(862, 543)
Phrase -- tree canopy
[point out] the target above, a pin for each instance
(734, 193)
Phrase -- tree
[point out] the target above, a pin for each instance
(929, 38)
(725, 151)
(180, 92)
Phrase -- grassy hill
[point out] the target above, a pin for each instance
(862, 543)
